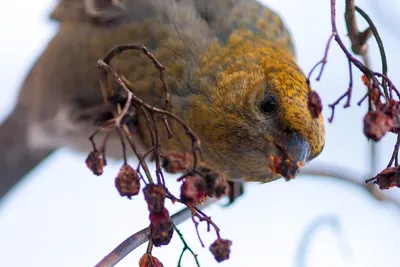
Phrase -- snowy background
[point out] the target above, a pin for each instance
(62, 215)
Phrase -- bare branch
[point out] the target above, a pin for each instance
(141, 237)
(344, 174)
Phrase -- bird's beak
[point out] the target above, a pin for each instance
(290, 154)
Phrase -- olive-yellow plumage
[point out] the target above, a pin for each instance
(254, 63)
(231, 70)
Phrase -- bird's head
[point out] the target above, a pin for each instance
(254, 122)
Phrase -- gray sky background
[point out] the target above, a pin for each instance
(62, 215)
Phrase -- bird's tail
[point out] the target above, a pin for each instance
(16, 157)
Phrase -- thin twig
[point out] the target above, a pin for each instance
(150, 150)
(156, 152)
(358, 39)
(123, 146)
(185, 247)
(395, 154)
(359, 46)
(137, 152)
(196, 148)
(322, 62)
(157, 64)
(346, 94)
(107, 125)
(378, 41)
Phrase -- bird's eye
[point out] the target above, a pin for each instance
(268, 104)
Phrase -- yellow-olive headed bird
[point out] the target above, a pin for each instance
(231, 70)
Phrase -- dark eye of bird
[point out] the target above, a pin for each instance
(268, 104)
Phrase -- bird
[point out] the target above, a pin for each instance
(231, 70)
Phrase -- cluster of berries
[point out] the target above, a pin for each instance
(195, 189)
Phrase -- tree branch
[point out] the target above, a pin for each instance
(141, 237)
(350, 177)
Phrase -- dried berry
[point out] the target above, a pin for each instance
(217, 185)
(376, 124)
(392, 110)
(176, 162)
(159, 218)
(149, 261)
(154, 195)
(193, 189)
(314, 104)
(95, 161)
(389, 177)
(127, 182)
(221, 249)
(161, 228)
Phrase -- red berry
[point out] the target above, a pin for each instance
(161, 228)
(193, 189)
(149, 261)
(314, 104)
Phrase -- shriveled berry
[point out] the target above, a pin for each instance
(377, 124)
(389, 177)
(221, 249)
(314, 104)
(127, 181)
(392, 109)
(159, 218)
(154, 194)
(193, 189)
(149, 261)
(161, 228)
(217, 185)
(95, 161)
(176, 162)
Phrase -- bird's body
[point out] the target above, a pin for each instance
(222, 59)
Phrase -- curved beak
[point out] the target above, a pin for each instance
(290, 154)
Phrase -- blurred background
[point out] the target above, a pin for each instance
(62, 215)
